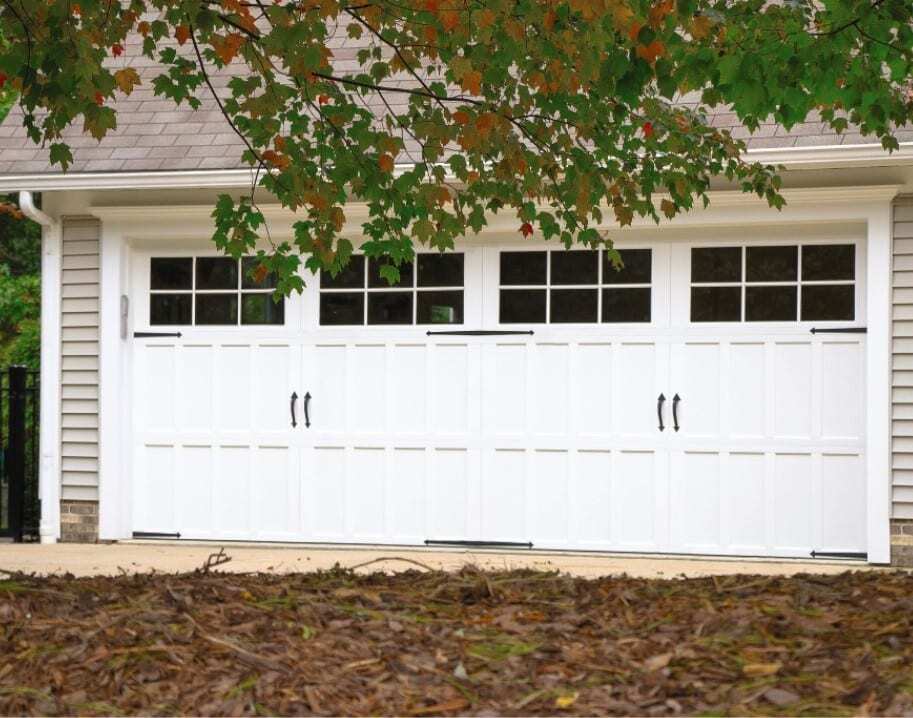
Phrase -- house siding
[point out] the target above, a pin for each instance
(79, 362)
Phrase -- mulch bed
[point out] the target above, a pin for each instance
(430, 643)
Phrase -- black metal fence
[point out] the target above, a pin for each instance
(20, 508)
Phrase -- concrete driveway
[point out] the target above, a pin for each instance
(172, 557)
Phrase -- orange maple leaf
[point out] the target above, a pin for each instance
(181, 34)
(385, 162)
(472, 82)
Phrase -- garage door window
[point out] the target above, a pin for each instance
(430, 291)
(211, 291)
(580, 286)
(814, 282)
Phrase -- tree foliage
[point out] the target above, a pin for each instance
(20, 288)
(565, 113)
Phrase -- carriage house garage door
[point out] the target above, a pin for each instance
(511, 393)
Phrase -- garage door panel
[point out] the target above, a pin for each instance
(505, 396)
(194, 501)
(154, 489)
(548, 497)
(792, 389)
(407, 385)
(365, 495)
(195, 368)
(324, 493)
(366, 379)
(324, 377)
(744, 509)
(745, 390)
(843, 502)
(590, 496)
(550, 397)
(233, 499)
(450, 494)
(636, 389)
(276, 489)
(157, 389)
(792, 507)
(635, 498)
(452, 371)
(842, 413)
(504, 496)
(234, 387)
(695, 501)
(273, 386)
(406, 495)
(591, 383)
(696, 379)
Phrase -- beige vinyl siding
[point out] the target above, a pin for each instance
(79, 359)
(902, 362)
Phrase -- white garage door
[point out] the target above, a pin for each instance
(511, 396)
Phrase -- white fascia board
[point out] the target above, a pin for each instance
(829, 156)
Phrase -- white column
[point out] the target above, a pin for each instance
(49, 439)
(878, 382)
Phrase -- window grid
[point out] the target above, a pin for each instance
(600, 286)
(412, 289)
(240, 291)
(744, 283)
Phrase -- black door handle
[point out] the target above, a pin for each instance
(293, 400)
(307, 417)
(659, 410)
(675, 400)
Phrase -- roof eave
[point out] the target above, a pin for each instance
(794, 158)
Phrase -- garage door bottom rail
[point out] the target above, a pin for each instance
(861, 555)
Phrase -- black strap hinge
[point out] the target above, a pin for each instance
(479, 333)
(149, 335)
(840, 330)
(480, 544)
(155, 535)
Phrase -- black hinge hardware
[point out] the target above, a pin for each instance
(481, 544)
(149, 335)
(479, 333)
(840, 330)
(154, 535)
(840, 554)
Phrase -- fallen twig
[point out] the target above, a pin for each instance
(395, 558)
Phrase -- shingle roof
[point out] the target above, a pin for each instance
(153, 134)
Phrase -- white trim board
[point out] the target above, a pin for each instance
(824, 157)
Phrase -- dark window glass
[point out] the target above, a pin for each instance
(217, 273)
(440, 270)
(262, 309)
(249, 266)
(716, 264)
(574, 305)
(716, 304)
(216, 309)
(352, 276)
(770, 304)
(522, 306)
(169, 309)
(376, 280)
(523, 268)
(821, 262)
(823, 302)
(575, 267)
(342, 308)
(771, 264)
(440, 307)
(637, 269)
(168, 273)
(390, 308)
(626, 305)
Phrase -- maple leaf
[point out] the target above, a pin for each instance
(143, 28)
(648, 130)
(99, 99)
(461, 117)
(2, 80)
(323, 99)
(668, 208)
(275, 159)
(450, 19)
(472, 82)
(227, 47)
(181, 34)
(117, 49)
(526, 229)
(385, 162)
(126, 79)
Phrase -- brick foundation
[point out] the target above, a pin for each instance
(902, 543)
(78, 521)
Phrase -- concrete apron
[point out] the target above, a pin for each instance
(176, 557)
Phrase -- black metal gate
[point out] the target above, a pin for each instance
(20, 508)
